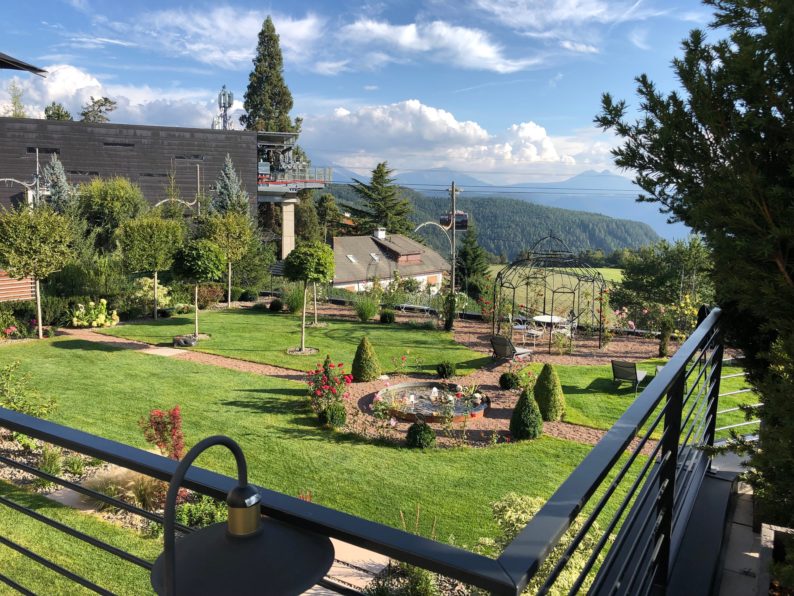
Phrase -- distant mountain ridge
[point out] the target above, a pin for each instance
(508, 226)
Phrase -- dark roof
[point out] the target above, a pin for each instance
(12, 63)
(364, 266)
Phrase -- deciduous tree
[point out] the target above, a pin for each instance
(199, 261)
(718, 155)
(307, 225)
(328, 215)
(232, 232)
(16, 108)
(149, 244)
(309, 263)
(107, 203)
(34, 243)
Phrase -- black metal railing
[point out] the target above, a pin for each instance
(622, 511)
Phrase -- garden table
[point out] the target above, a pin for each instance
(548, 319)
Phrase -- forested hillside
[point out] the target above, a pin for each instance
(508, 226)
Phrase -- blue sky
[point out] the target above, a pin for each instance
(505, 90)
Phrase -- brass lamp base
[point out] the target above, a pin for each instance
(280, 560)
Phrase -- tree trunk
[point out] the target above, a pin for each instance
(155, 295)
(229, 287)
(38, 309)
(314, 286)
(195, 298)
(303, 317)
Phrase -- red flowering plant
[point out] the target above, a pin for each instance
(327, 384)
(164, 429)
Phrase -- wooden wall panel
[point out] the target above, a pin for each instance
(14, 289)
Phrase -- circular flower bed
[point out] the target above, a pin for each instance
(431, 401)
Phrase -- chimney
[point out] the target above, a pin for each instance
(379, 233)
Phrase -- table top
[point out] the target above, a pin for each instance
(554, 319)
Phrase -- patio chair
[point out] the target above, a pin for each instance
(503, 348)
(535, 332)
(628, 372)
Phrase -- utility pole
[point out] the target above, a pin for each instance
(454, 195)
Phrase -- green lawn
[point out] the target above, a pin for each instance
(612, 274)
(594, 400)
(91, 563)
(260, 336)
(104, 390)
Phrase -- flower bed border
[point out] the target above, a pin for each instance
(476, 412)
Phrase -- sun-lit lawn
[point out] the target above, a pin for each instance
(611, 274)
(594, 400)
(105, 390)
(260, 336)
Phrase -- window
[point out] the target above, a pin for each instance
(44, 150)
(374, 256)
(352, 259)
(194, 157)
(152, 175)
(120, 145)
(82, 173)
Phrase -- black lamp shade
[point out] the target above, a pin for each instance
(280, 560)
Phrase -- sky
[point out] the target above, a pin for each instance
(503, 90)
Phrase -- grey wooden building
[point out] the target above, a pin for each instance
(144, 154)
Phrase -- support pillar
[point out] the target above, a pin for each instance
(287, 227)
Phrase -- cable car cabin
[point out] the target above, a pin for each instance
(461, 220)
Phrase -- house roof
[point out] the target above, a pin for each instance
(359, 258)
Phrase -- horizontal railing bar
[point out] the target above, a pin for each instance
(749, 422)
(737, 408)
(704, 389)
(737, 392)
(469, 567)
(524, 554)
(108, 548)
(54, 567)
(91, 493)
(15, 586)
(733, 375)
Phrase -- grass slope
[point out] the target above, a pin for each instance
(260, 336)
(99, 567)
(104, 390)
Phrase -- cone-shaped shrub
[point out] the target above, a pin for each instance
(365, 365)
(548, 393)
(526, 421)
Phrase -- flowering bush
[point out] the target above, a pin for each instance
(327, 385)
(94, 315)
(143, 294)
(164, 429)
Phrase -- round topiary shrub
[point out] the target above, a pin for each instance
(420, 436)
(549, 395)
(249, 295)
(509, 380)
(366, 366)
(526, 421)
(387, 317)
(334, 416)
(445, 369)
(276, 305)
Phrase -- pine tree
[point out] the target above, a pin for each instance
(268, 100)
(62, 193)
(383, 200)
(97, 110)
(328, 214)
(307, 225)
(229, 193)
(472, 261)
(57, 111)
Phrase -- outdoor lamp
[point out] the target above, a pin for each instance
(248, 553)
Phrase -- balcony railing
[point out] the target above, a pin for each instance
(630, 498)
(296, 174)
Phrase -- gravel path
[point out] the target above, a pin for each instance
(478, 431)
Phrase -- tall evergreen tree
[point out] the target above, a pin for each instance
(229, 193)
(328, 214)
(62, 194)
(384, 202)
(268, 100)
(307, 225)
(57, 111)
(97, 110)
(472, 261)
(718, 156)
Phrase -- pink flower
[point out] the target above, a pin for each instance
(377, 398)
(403, 358)
(340, 365)
(458, 395)
(333, 390)
(392, 422)
(318, 392)
(645, 311)
(331, 365)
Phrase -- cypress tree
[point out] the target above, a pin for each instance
(366, 366)
(268, 100)
(472, 261)
(526, 421)
(384, 202)
(307, 224)
(549, 395)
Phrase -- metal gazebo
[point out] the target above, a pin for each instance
(550, 284)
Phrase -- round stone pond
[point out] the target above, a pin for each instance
(432, 401)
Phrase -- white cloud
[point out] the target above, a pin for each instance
(578, 47)
(92, 42)
(441, 42)
(639, 38)
(548, 15)
(74, 87)
(371, 87)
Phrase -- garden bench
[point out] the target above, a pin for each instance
(503, 348)
(627, 371)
